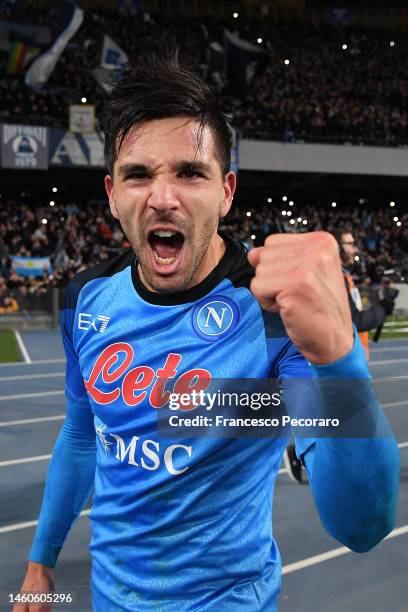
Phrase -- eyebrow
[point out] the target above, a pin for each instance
(126, 169)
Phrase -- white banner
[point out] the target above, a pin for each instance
(24, 147)
(41, 69)
(82, 118)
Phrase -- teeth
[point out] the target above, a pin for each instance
(163, 234)
(166, 261)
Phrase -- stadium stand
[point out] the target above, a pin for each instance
(78, 235)
(318, 84)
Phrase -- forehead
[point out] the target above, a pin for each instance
(164, 140)
(347, 237)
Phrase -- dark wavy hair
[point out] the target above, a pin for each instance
(158, 87)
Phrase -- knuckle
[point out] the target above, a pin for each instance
(270, 240)
(254, 285)
(306, 278)
(262, 270)
(326, 241)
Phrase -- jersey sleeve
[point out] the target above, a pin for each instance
(74, 385)
(354, 480)
(71, 472)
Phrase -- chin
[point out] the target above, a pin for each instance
(166, 284)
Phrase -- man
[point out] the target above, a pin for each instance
(185, 524)
(375, 315)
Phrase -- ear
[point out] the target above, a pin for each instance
(230, 185)
(110, 190)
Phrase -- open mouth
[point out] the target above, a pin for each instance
(166, 246)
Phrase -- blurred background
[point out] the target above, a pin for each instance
(315, 93)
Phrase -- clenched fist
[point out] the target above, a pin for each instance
(299, 276)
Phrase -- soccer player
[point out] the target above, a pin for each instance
(185, 524)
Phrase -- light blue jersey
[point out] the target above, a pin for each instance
(177, 524)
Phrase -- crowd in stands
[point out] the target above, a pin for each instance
(309, 89)
(325, 93)
(78, 236)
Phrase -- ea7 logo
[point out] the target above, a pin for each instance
(87, 321)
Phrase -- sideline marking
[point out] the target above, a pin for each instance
(24, 460)
(21, 346)
(394, 404)
(31, 376)
(395, 323)
(28, 395)
(9, 364)
(389, 349)
(17, 526)
(386, 362)
(336, 552)
(57, 417)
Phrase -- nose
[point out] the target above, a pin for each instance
(163, 196)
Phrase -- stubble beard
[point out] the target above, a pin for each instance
(195, 249)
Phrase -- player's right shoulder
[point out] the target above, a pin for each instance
(105, 269)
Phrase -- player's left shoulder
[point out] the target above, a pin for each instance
(239, 271)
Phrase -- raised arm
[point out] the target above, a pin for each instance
(354, 481)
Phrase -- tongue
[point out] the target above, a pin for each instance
(165, 251)
(168, 247)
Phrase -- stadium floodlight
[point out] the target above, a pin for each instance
(289, 213)
(396, 219)
(334, 204)
(356, 258)
(284, 198)
(292, 221)
(269, 200)
(235, 15)
(398, 223)
(392, 43)
(287, 62)
(344, 46)
(83, 100)
(52, 203)
(299, 219)
(249, 213)
(304, 221)
(361, 200)
(392, 204)
(44, 221)
(284, 213)
(253, 236)
(259, 40)
(291, 203)
(54, 189)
